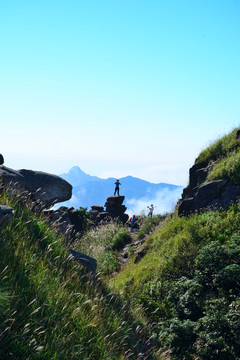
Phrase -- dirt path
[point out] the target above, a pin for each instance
(130, 248)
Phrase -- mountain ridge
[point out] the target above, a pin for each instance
(90, 190)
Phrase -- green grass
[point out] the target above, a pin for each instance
(173, 253)
(220, 148)
(49, 309)
(179, 237)
(227, 168)
(224, 156)
(148, 224)
(103, 244)
(185, 291)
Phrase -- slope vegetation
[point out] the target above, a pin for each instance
(50, 309)
(224, 154)
(187, 286)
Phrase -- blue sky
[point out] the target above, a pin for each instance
(126, 87)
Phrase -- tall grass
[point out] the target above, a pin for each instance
(49, 309)
(103, 243)
(148, 224)
(227, 168)
(220, 148)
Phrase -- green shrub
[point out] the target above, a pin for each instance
(215, 335)
(102, 243)
(148, 225)
(187, 297)
(120, 239)
(179, 336)
(108, 263)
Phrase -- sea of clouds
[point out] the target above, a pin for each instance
(164, 201)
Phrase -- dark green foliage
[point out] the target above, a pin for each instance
(108, 263)
(120, 239)
(179, 336)
(205, 321)
(187, 298)
(83, 216)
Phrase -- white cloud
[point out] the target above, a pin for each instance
(163, 202)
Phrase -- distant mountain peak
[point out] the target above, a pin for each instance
(75, 170)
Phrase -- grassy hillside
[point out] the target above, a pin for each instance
(48, 308)
(187, 286)
(224, 154)
(184, 292)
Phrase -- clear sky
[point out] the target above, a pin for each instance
(127, 87)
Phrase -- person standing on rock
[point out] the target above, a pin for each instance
(117, 183)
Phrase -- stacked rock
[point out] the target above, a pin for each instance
(98, 215)
(115, 208)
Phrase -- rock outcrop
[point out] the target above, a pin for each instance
(114, 210)
(200, 195)
(89, 264)
(44, 189)
(66, 221)
(6, 213)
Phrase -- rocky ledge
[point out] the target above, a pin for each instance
(43, 188)
(114, 209)
(200, 195)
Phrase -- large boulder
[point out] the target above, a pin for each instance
(44, 189)
(6, 213)
(67, 221)
(115, 208)
(1, 159)
(200, 195)
(88, 263)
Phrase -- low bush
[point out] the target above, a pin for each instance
(206, 302)
(102, 243)
(148, 224)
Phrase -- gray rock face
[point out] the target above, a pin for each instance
(45, 189)
(6, 213)
(114, 209)
(200, 196)
(1, 159)
(139, 255)
(66, 221)
(89, 263)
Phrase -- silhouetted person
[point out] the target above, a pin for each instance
(117, 183)
(1, 159)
